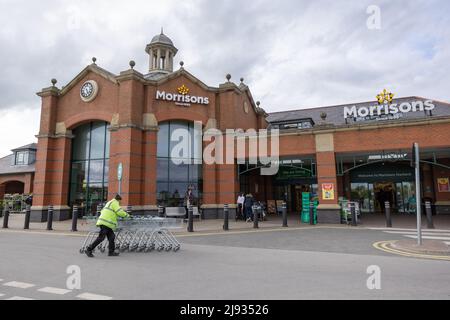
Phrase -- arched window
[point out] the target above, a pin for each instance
(179, 163)
(90, 166)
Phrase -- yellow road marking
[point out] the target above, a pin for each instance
(384, 246)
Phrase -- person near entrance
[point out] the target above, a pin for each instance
(188, 201)
(108, 224)
(240, 204)
(248, 204)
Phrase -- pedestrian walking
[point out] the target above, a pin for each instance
(108, 224)
(248, 204)
(240, 205)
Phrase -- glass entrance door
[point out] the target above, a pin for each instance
(406, 199)
(363, 194)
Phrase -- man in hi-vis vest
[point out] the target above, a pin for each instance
(108, 224)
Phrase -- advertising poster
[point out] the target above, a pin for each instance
(443, 185)
(328, 191)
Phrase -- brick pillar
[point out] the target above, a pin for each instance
(328, 210)
(149, 197)
(227, 188)
(126, 148)
(51, 181)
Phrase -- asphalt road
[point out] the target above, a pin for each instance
(291, 264)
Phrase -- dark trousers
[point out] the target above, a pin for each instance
(240, 213)
(104, 232)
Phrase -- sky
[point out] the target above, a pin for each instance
(293, 54)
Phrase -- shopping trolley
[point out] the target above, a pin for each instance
(138, 234)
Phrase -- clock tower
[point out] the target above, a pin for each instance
(161, 51)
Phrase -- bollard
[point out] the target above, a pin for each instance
(255, 217)
(6, 219)
(284, 212)
(75, 218)
(311, 214)
(190, 227)
(226, 217)
(161, 211)
(26, 225)
(353, 211)
(99, 210)
(129, 209)
(50, 218)
(430, 224)
(387, 209)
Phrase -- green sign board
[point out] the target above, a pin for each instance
(287, 173)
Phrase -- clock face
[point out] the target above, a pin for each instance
(89, 91)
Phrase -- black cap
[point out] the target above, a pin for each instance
(118, 197)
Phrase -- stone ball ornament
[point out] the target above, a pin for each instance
(89, 91)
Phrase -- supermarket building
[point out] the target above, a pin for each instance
(101, 120)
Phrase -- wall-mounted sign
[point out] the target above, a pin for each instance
(443, 184)
(387, 109)
(182, 98)
(388, 156)
(328, 191)
(288, 173)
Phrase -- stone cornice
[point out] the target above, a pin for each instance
(131, 75)
(370, 126)
(50, 91)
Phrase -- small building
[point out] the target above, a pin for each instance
(17, 171)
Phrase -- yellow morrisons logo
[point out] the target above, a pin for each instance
(385, 97)
(183, 90)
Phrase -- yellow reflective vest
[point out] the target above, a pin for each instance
(109, 214)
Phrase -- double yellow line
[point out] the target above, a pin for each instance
(386, 246)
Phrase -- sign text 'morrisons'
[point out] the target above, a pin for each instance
(395, 108)
(181, 98)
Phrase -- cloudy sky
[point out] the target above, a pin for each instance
(293, 54)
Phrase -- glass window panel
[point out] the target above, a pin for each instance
(81, 142)
(108, 141)
(79, 173)
(180, 143)
(178, 172)
(106, 171)
(197, 141)
(98, 140)
(96, 171)
(162, 170)
(163, 141)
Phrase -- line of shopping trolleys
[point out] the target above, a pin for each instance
(137, 234)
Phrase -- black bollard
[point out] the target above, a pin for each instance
(311, 213)
(161, 211)
(387, 209)
(6, 219)
(190, 227)
(353, 211)
(226, 217)
(430, 224)
(255, 217)
(50, 218)
(99, 210)
(74, 218)
(129, 209)
(284, 212)
(26, 225)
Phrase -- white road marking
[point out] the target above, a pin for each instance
(2, 294)
(410, 229)
(429, 237)
(54, 290)
(91, 296)
(423, 232)
(21, 285)
(19, 298)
